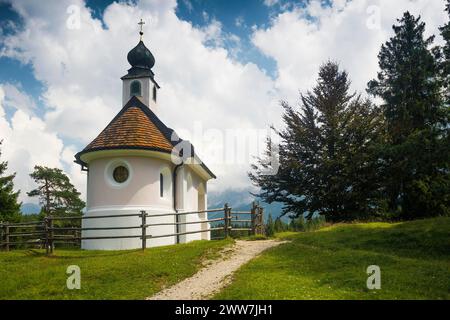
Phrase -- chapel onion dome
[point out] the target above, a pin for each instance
(141, 57)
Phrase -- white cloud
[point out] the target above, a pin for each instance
(270, 3)
(14, 98)
(26, 143)
(300, 40)
(81, 70)
(200, 82)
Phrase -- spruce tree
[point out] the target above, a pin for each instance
(278, 225)
(270, 226)
(445, 57)
(326, 154)
(414, 158)
(9, 205)
(444, 70)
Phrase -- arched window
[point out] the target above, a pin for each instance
(154, 93)
(135, 88)
(165, 183)
(161, 185)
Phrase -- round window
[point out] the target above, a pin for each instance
(120, 174)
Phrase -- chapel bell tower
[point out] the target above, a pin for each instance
(140, 81)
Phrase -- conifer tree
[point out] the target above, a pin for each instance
(270, 226)
(445, 57)
(278, 225)
(56, 193)
(326, 154)
(415, 158)
(9, 205)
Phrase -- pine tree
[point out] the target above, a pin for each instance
(9, 205)
(414, 158)
(278, 225)
(326, 154)
(445, 57)
(56, 193)
(270, 226)
(444, 71)
(407, 80)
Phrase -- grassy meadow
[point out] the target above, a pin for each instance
(331, 263)
(134, 274)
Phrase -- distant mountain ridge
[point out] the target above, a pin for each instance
(30, 208)
(241, 200)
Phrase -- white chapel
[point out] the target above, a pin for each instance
(138, 163)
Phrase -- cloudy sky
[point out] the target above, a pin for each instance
(223, 67)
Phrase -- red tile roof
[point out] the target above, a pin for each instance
(131, 129)
(135, 127)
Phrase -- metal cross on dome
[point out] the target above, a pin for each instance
(141, 24)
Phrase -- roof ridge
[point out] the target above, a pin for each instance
(165, 130)
(171, 138)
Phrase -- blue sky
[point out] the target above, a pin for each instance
(237, 17)
(222, 65)
(12, 70)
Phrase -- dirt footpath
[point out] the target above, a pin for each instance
(216, 274)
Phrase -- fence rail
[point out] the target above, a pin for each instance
(46, 234)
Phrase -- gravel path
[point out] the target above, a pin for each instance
(216, 275)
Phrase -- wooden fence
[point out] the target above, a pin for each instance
(45, 234)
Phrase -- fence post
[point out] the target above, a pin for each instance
(51, 233)
(226, 221)
(7, 236)
(261, 220)
(47, 249)
(77, 237)
(1, 235)
(230, 227)
(253, 217)
(144, 229)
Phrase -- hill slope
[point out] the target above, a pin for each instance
(331, 263)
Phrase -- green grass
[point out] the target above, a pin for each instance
(30, 274)
(331, 263)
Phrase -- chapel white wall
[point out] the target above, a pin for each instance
(142, 192)
(189, 201)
